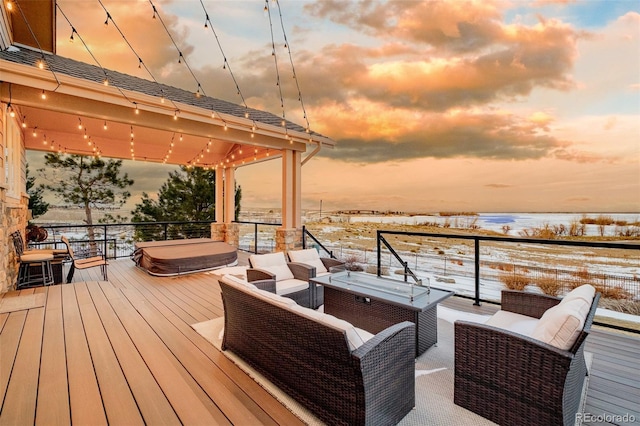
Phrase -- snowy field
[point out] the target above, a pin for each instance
(517, 222)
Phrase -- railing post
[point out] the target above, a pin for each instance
(104, 230)
(477, 270)
(166, 227)
(379, 255)
(304, 237)
(255, 238)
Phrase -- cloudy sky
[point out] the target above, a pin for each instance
(485, 105)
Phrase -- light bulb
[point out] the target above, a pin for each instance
(43, 95)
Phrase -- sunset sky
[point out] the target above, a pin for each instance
(486, 106)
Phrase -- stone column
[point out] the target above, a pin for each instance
(218, 231)
(232, 234)
(288, 239)
(227, 232)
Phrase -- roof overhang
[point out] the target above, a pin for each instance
(76, 110)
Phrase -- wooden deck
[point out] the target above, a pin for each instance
(123, 352)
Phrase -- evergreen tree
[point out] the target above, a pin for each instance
(188, 195)
(88, 182)
(37, 205)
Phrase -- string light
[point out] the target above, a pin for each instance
(140, 62)
(225, 64)
(35, 133)
(105, 126)
(24, 121)
(73, 30)
(79, 123)
(43, 95)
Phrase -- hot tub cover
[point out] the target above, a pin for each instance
(176, 257)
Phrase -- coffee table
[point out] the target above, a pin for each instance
(374, 303)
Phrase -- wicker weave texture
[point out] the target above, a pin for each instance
(375, 315)
(512, 379)
(312, 363)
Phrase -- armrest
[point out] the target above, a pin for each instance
(255, 274)
(499, 359)
(266, 285)
(330, 262)
(529, 304)
(302, 271)
(387, 362)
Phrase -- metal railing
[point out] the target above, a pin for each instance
(634, 292)
(306, 234)
(259, 239)
(118, 240)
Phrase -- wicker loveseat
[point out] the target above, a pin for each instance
(341, 374)
(528, 376)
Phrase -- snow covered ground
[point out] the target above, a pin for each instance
(517, 222)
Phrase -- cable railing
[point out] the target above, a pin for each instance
(256, 237)
(117, 240)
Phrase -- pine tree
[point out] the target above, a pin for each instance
(188, 195)
(88, 182)
(37, 205)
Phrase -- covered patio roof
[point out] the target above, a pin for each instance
(74, 107)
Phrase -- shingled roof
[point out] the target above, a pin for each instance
(61, 65)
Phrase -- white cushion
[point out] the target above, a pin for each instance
(267, 296)
(274, 298)
(308, 257)
(356, 337)
(290, 286)
(237, 282)
(511, 321)
(585, 292)
(274, 263)
(560, 325)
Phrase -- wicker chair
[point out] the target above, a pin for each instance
(373, 384)
(321, 266)
(512, 379)
(294, 285)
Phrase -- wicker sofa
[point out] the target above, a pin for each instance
(513, 371)
(341, 374)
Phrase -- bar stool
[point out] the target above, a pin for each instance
(38, 259)
(41, 262)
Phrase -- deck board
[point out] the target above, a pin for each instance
(119, 403)
(53, 400)
(19, 405)
(84, 391)
(124, 352)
